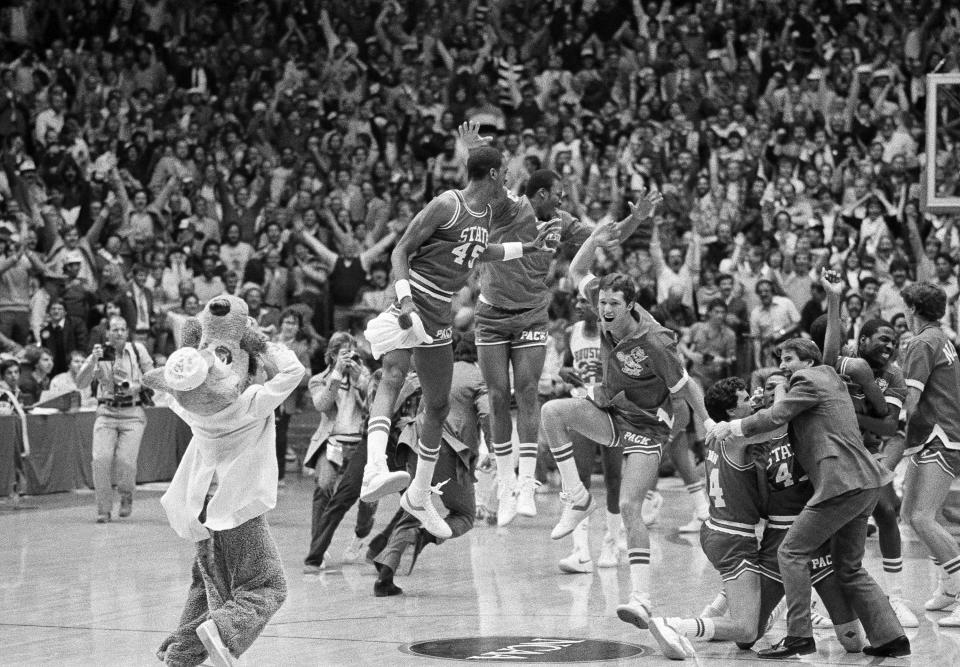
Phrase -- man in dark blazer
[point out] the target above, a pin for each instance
(136, 305)
(61, 335)
(846, 482)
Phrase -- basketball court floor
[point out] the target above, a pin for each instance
(76, 593)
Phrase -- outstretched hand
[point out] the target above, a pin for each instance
(548, 235)
(646, 204)
(469, 135)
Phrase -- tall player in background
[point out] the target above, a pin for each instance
(511, 325)
(583, 368)
(431, 262)
(932, 373)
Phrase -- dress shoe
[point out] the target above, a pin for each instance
(384, 586)
(895, 648)
(789, 646)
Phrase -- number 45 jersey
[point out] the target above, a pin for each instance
(441, 266)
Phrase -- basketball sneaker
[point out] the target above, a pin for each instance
(526, 496)
(609, 552)
(506, 500)
(941, 600)
(355, 548)
(818, 620)
(573, 513)
(906, 617)
(379, 482)
(576, 563)
(717, 608)
(674, 645)
(209, 634)
(636, 611)
(651, 508)
(419, 504)
(951, 621)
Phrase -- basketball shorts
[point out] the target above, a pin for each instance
(522, 328)
(730, 555)
(821, 566)
(936, 452)
(647, 438)
(434, 328)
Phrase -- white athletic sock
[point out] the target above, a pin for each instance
(569, 475)
(527, 463)
(614, 524)
(639, 573)
(893, 576)
(504, 455)
(581, 539)
(700, 501)
(851, 636)
(378, 433)
(702, 629)
(952, 569)
(426, 464)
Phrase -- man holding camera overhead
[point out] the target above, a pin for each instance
(118, 367)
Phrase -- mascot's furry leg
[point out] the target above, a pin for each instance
(242, 585)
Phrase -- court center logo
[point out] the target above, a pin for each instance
(525, 649)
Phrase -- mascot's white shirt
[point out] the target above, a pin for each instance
(238, 444)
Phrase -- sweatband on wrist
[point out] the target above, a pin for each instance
(512, 250)
(402, 288)
(736, 427)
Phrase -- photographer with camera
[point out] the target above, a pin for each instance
(117, 367)
(338, 448)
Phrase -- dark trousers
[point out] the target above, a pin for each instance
(283, 425)
(458, 497)
(337, 489)
(842, 522)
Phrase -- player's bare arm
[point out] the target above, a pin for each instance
(644, 208)
(547, 240)
(418, 231)
(603, 234)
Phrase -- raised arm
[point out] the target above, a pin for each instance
(833, 285)
(327, 256)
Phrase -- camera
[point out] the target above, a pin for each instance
(109, 353)
(354, 357)
(123, 385)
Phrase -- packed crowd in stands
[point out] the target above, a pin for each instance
(156, 154)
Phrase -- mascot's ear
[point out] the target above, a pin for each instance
(191, 332)
(252, 342)
(154, 380)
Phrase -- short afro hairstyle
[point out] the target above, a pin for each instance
(481, 161)
(929, 300)
(541, 179)
(722, 396)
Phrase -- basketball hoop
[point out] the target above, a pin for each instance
(942, 134)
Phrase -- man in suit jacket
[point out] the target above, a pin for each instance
(61, 336)
(136, 305)
(846, 481)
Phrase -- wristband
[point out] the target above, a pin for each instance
(512, 250)
(402, 288)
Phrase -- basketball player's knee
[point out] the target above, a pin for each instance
(526, 390)
(393, 377)
(744, 631)
(551, 415)
(885, 513)
(437, 407)
(631, 506)
(918, 520)
(499, 398)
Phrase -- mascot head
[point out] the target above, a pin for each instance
(219, 358)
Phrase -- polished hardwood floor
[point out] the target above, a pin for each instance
(76, 593)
